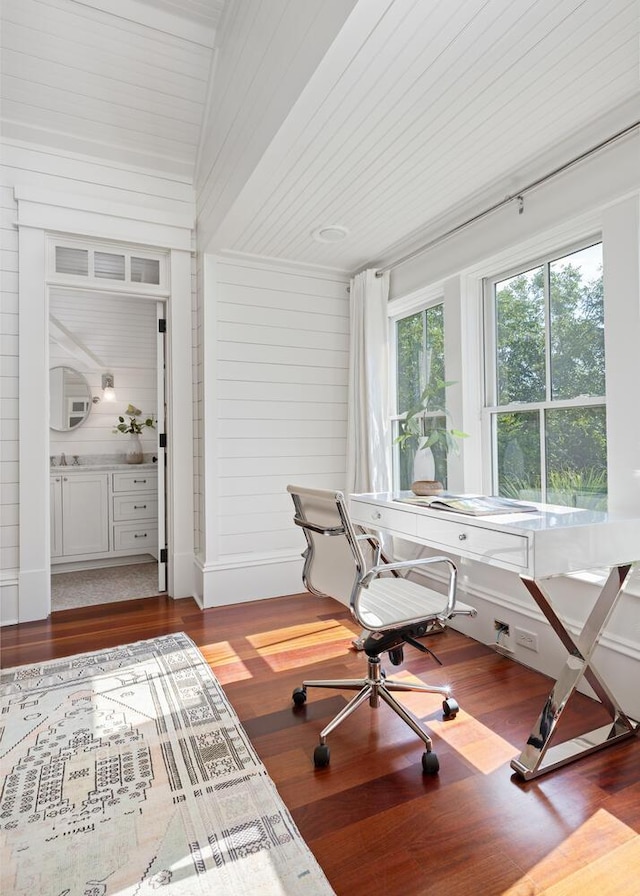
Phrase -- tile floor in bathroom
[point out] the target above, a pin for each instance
(83, 588)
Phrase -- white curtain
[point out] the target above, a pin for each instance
(368, 426)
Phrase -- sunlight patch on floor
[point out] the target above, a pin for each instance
(298, 645)
(225, 662)
(608, 853)
(477, 744)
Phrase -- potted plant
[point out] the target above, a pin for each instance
(133, 426)
(427, 428)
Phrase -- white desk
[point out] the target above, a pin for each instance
(552, 541)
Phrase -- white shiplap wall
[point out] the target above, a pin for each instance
(63, 175)
(279, 401)
(8, 389)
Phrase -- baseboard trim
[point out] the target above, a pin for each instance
(246, 578)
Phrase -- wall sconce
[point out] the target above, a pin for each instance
(108, 388)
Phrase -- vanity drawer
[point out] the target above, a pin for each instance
(374, 516)
(138, 539)
(140, 481)
(135, 507)
(467, 540)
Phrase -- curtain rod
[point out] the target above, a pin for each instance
(519, 196)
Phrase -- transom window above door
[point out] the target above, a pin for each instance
(71, 261)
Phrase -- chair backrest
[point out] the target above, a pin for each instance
(334, 562)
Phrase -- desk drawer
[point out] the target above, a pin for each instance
(374, 516)
(475, 542)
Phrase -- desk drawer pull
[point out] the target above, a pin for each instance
(462, 537)
(376, 516)
(139, 506)
(144, 535)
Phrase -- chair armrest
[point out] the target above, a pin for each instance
(407, 564)
(375, 543)
(377, 570)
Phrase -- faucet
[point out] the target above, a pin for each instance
(63, 460)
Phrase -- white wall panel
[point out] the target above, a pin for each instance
(278, 398)
(9, 467)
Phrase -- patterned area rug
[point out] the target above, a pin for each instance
(126, 771)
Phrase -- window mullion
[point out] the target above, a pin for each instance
(543, 454)
(547, 332)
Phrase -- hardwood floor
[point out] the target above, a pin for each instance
(375, 823)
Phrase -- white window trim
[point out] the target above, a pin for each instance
(490, 406)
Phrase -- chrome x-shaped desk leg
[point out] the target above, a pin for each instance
(538, 757)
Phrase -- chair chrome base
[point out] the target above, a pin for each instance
(375, 687)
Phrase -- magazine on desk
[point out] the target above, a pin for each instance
(471, 505)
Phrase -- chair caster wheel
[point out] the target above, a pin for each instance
(299, 696)
(321, 756)
(430, 764)
(450, 708)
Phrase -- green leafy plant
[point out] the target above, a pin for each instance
(133, 425)
(429, 422)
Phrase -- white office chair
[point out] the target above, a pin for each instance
(391, 609)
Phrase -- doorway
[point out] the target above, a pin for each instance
(113, 339)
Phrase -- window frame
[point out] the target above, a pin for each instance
(490, 407)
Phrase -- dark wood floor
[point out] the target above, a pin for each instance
(374, 822)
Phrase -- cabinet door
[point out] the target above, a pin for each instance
(55, 508)
(85, 514)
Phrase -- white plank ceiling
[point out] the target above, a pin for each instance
(103, 331)
(398, 119)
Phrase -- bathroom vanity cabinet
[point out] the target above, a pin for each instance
(105, 513)
(79, 514)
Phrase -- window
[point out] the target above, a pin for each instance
(546, 381)
(419, 350)
(74, 261)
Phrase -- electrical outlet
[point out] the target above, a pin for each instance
(527, 639)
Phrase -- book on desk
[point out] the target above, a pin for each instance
(471, 505)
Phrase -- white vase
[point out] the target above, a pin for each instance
(424, 465)
(134, 449)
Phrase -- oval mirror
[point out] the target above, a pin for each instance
(69, 399)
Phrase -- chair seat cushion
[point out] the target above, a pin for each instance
(388, 602)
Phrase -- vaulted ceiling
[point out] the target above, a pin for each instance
(393, 119)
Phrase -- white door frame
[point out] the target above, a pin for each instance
(38, 216)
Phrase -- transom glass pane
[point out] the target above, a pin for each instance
(108, 266)
(72, 261)
(145, 270)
